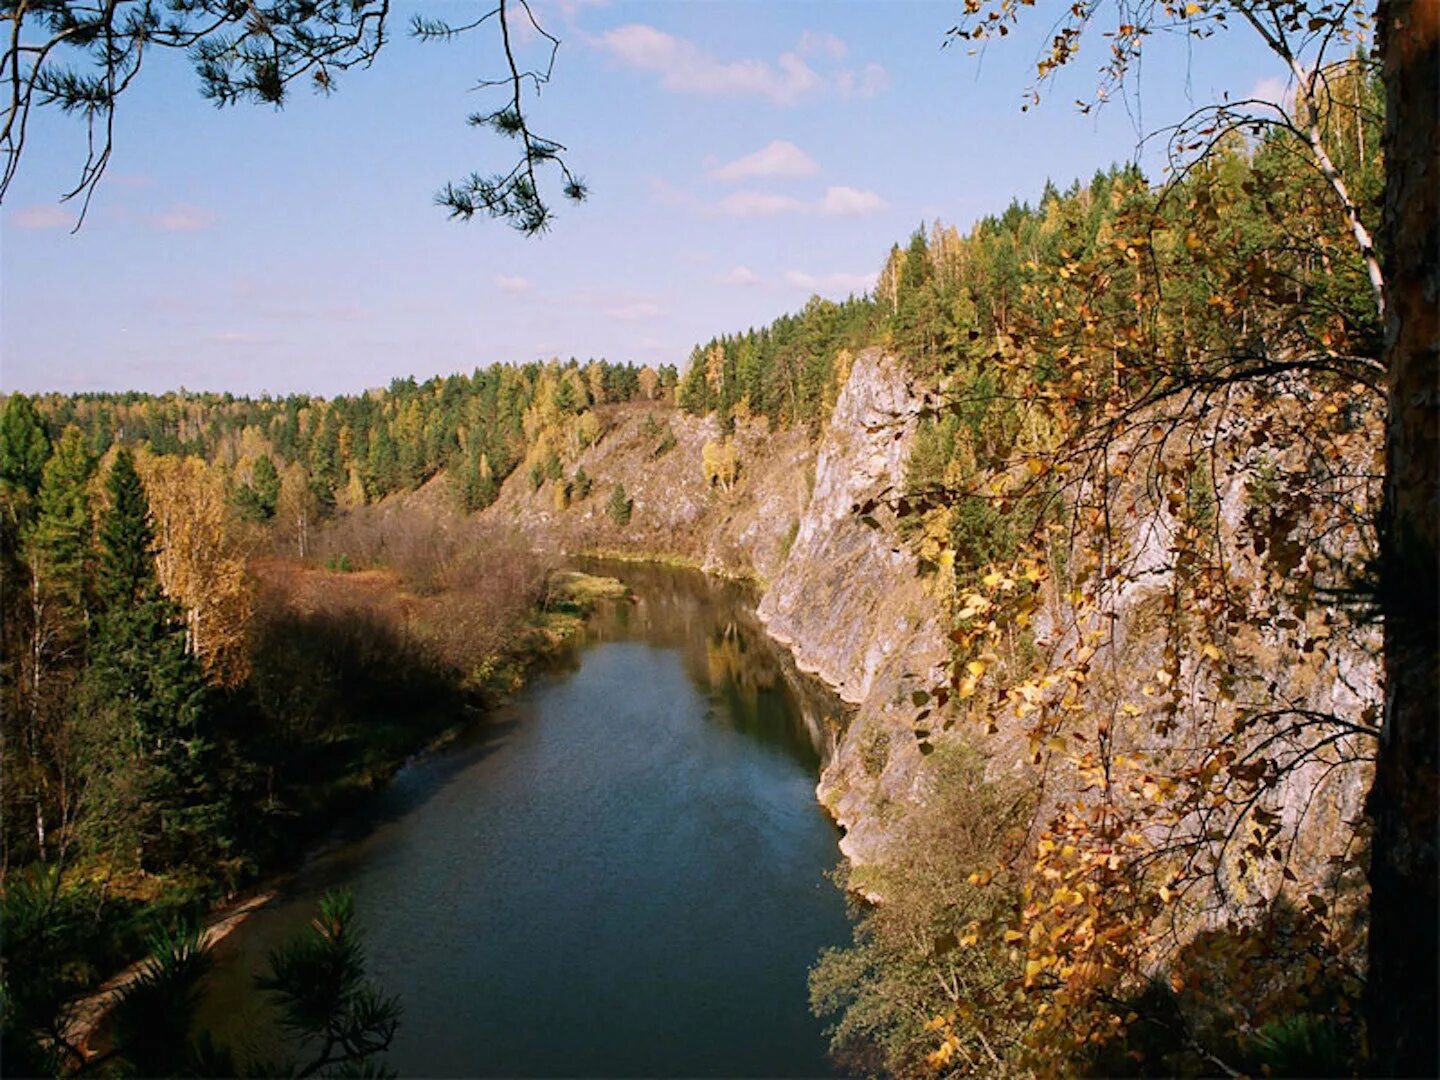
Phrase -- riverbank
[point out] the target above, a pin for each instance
(640, 834)
(373, 600)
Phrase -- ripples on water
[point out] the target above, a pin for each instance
(624, 875)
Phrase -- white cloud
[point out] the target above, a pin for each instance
(740, 275)
(42, 217)
(850, 202)
(837, 283)
(508, 284)
(838, 201)
(873, 80)
(821, 43)
(239, 337)
(745, 204)
(777, 158)
(633, 312)
(686, 68)
(1274, 90)
(182, 217)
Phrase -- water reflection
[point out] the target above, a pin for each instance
(626, 876)
(726, 650)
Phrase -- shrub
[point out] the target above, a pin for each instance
(620, 506)
(928, 949)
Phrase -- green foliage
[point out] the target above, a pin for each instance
(58, 547)
(329, 1009)
(619, 505)
(257, 500)
(156, 1011)
(1200, 500)
(24, 446)
(480, 427)
(786, 371)
(1305, 1045)
(318, 981)
(582, 483)
(41, 923)
(788, 540)
(145, 700)
(666, 443)
(927, 950)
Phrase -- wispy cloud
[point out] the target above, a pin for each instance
(748, 204)
(850, 202)
(831, 283)
(871, 80)
(1274, 90)
(239, 337)
(42, 217)
(506, 283)
(685, 68)
(634, 312)
(128, 180)
(836, 202)
(182, 217)
(821, 43)
(777, 158)
(740, 275)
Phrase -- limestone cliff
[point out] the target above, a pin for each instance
(842, 595)
(845, 596)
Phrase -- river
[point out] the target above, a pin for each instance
(624, 874)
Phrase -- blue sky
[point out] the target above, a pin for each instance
(741, 157)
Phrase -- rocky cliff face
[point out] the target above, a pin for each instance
(845, 597)
(849, 603)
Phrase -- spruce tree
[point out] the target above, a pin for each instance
(146, 696)
(257, 500)
(620, 505)
(24, 447)
(58, 545)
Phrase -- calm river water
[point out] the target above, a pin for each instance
(625, 875)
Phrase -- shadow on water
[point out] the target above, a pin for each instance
(727, 651)
(623, 875)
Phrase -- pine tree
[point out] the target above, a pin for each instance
(145, 696)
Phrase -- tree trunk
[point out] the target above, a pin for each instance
(1403, 1007)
